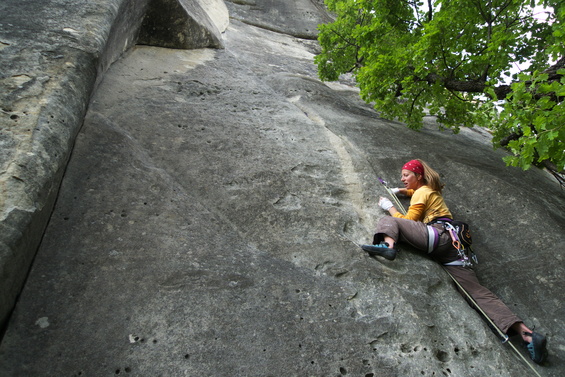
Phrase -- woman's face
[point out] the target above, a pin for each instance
(411, 180)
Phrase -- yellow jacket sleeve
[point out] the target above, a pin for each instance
(415, 212)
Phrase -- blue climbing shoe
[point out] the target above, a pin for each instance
(380, 249)
(537, 347)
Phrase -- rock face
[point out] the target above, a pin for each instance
(182, 24)
(208, 218)
(52, 55)
(298, 18)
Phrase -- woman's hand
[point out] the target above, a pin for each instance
(398, 190)
(385, 203)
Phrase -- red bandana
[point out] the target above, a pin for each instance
(415, 166)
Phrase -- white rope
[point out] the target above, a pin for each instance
(399, 205)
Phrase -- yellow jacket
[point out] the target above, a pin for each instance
(425, 205)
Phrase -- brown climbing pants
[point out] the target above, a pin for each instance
(415, 233)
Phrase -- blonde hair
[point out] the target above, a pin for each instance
(431, 177)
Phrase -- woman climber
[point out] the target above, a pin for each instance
(425, 227)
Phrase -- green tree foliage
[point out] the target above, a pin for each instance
(456, 59)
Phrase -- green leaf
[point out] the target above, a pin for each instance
(450, 61)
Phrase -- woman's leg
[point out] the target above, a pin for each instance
(393, 229)
(489, 303)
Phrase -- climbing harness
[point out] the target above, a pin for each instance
(399, 205)
(463, 246)
(433, 238)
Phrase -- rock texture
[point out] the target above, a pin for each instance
(208, 220)
(298, 18)
(52, 54)
(183, 24)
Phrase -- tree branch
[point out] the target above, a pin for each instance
(479, 86)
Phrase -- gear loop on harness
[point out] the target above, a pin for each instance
(453, 233)
(463, 258)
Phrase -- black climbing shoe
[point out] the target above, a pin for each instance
(537, 348)
(380, 249)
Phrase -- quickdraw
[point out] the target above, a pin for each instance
(399, 205)
(463, 258)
